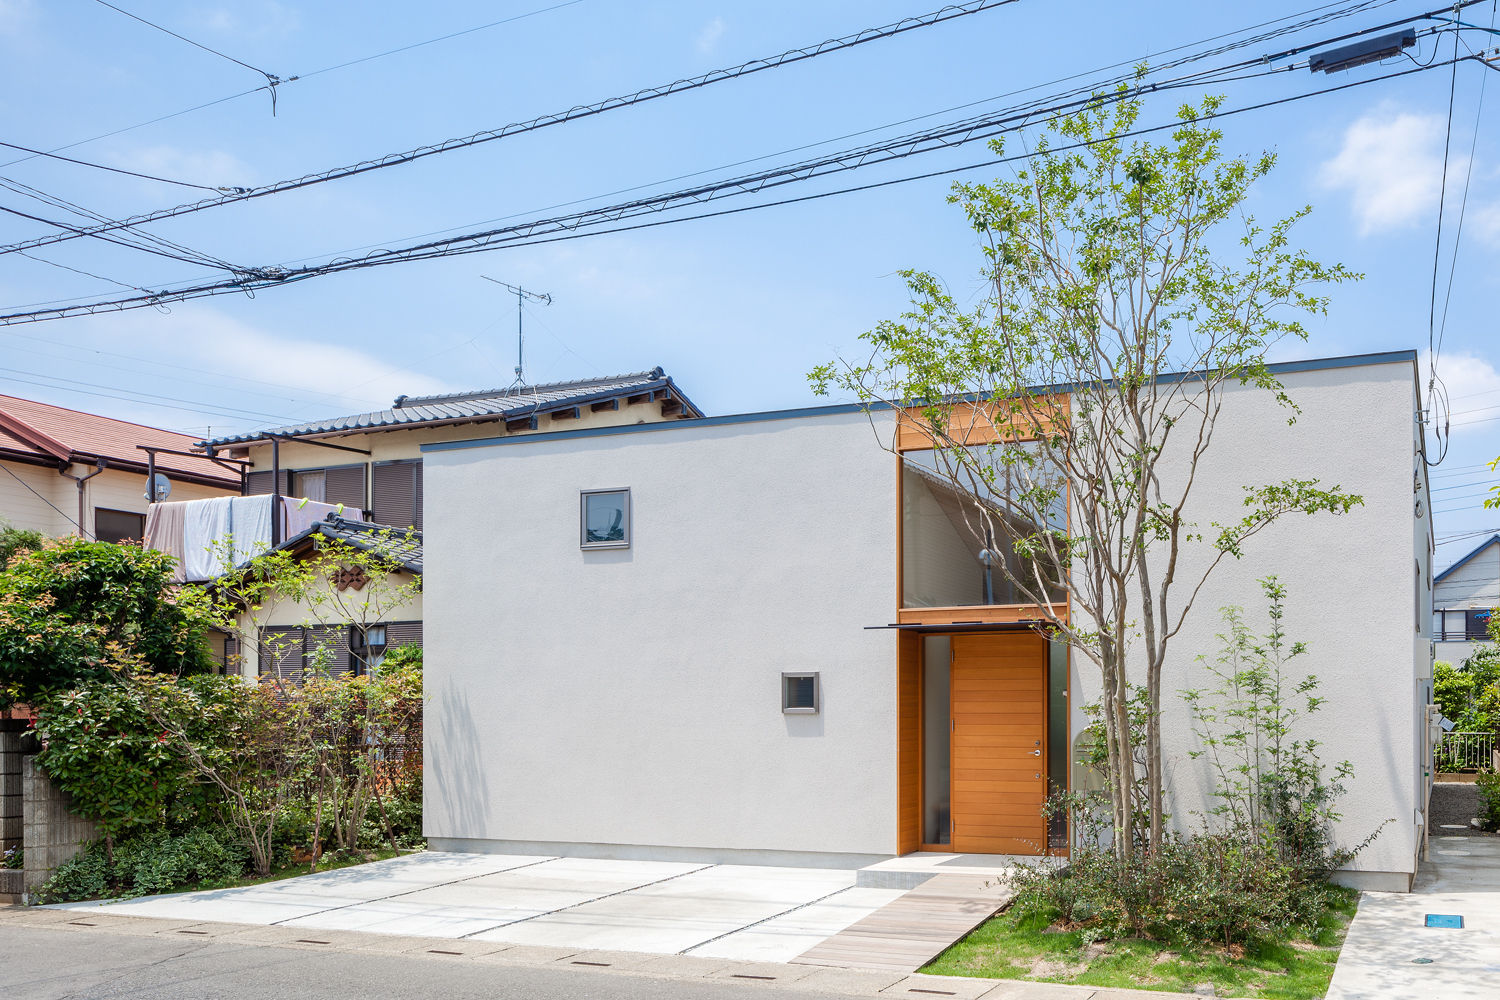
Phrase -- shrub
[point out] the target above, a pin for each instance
(72, 610)
(1488, 784)
(101, 745)
(14, 540)
(145, 865)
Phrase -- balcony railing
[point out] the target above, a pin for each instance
(1465, 751)
(1456, 635)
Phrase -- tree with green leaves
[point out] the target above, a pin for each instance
(1105, 272)
(71, 610)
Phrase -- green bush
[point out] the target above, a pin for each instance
(1195, 889)
(15, 540)
(102, 745)
(1488, 783)
(72, 611)
(147, 865)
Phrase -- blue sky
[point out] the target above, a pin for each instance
(738, 309)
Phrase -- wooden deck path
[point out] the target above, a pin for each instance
(912, 930)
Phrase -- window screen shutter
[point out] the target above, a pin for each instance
(231, 661)
(335, 640)
(289, 644)
(403, 634)
(346, 485)
(259, 483)
(395, 494)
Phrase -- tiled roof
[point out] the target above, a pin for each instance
(56, 433)
(395, 544)
(464, 407)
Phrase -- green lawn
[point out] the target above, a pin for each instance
(1005, 947)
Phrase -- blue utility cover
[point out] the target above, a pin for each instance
(1445, 920)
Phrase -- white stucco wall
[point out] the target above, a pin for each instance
(631, 698)
(1351, 583)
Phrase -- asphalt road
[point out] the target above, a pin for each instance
(40, 963)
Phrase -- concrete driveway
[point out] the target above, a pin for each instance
(716, 911)
(1391, 953)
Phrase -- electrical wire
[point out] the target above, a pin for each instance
(577, 226)
(115, 170)
(132, 236)
(1437, 248)
(271, 78)
(787, 58)
(66, 516)
(292, 79)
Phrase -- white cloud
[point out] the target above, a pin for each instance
(1391, 165)
(1473, 385)
(249, 20)
(269, 373)
(211, 166)
(709, 38)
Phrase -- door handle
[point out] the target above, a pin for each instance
(1036, 753)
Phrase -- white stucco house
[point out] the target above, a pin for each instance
(1464, 597)
(759, 638)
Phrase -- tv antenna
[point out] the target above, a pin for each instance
(521, 296)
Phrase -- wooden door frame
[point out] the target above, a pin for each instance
(911, 795)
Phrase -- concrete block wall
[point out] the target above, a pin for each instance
(52, 833)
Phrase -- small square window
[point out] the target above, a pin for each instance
(606, 519)
(800, 694)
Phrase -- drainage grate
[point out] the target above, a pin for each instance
(1421, 961)
(439, 951)
(82, 923)
(308, 941)
(746, 975)
(1450, 920)
(941, 993)
(597, 965)
(193, 932)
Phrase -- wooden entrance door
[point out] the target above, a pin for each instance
(999, 713)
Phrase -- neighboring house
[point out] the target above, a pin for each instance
(764, 638)
(371, 464)
(349, 634)
(1463, 597)
(65, 472)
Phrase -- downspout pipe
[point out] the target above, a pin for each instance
(82, 506)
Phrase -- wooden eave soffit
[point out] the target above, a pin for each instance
(982, 423)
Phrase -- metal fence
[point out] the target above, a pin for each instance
(1465, 751)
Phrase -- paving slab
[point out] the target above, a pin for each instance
(493, 900)
(680, 914)
(683, 966)
(294, 898)
(529, 955)
(1390, 953)
(1016, 990)
(854, 982)
(784, 937)
(919, 985)
(773, 973)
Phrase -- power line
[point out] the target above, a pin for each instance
(787, 58)
(440, 38)
(579, 224)
(66, 516)
(301, 76)
(271, 78)
(133, 236)
(1345, 10)
(115, 170)
(9, 375)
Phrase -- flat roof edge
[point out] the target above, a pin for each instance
(1277, 368)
